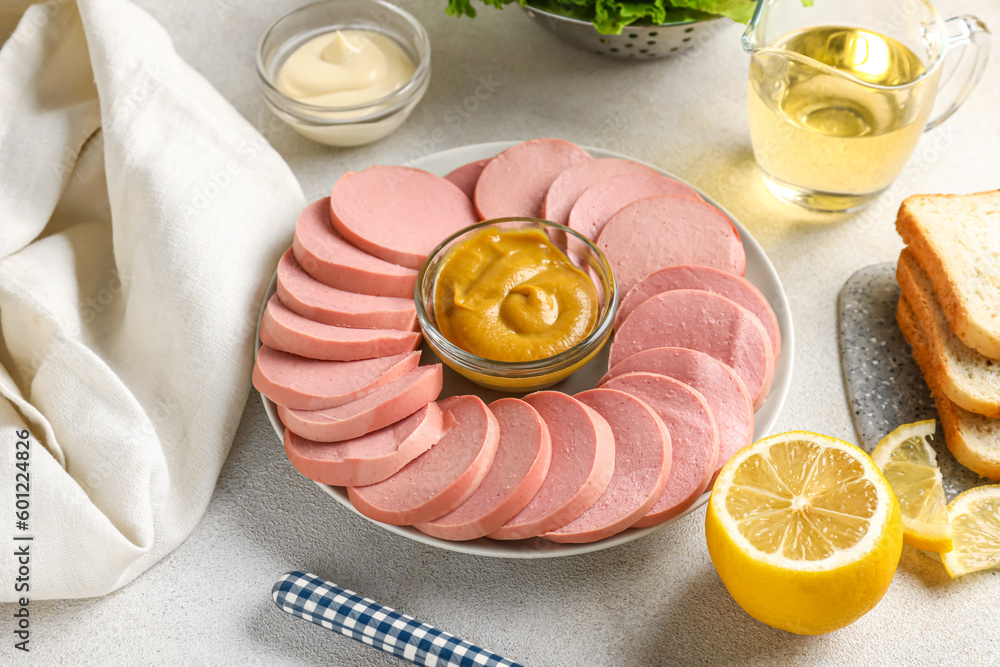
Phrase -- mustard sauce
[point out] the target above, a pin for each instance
(511, 295)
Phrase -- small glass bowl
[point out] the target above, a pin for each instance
(349, 125)
(521, 376)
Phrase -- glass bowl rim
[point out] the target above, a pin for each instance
(518, 369)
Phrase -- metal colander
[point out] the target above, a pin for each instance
(635, 42)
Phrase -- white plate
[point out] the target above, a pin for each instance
(760, 272)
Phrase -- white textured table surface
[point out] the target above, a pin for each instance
(652, 602)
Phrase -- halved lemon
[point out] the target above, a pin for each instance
(909, 463)
(975, 526)
(804, 531)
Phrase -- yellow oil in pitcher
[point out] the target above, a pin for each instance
(826, 132)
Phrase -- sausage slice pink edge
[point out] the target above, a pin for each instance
(372, 457)
(466, 176)
(390, 403)
(284, 330)
(694, 439)
(601, 201)
(572, 183)
(656, 232)
(332, 260)
(311, 384)
(723, 283)
(441, 479)
(310, 298)
(398, 213)
(701, 321)
(642, 466)
(518, 470)
(583, 458)
(719, 384)
(514, 183)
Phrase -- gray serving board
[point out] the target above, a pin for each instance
(884, 385)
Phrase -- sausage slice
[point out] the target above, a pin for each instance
(372, 457)
(398, 213)
(601, 201)
(308, 297)
(332, 260)
(284, 330)
(514, 183)
(666, 230)
(311, 384)
(694, 439)
(518, 470)
(572, 183)
(642, 464)
(466, 176)
(390, 403)
(701, 321)
(723, 283)
(719, 384)
(442, 478)
(583, 460)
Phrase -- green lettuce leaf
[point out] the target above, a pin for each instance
(465, 8)
(740, 11)
(610, 16)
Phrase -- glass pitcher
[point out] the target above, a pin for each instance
(841, 91)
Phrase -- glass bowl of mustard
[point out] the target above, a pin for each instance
(344, 72)
(516, 304)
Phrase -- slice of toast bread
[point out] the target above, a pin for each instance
(973, 439)
(956, 240)
(965, 376)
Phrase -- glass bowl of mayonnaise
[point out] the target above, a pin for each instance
(344, 72)
(516, 304)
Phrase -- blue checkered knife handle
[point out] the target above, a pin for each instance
(329, 606)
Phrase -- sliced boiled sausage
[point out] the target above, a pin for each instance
(372, 457)
(518, 470)
(466, 176)
(388, 404)
(284, 330)
(330, 259)
(398, 213)
(731, 286)
(719, 384)
(583, 460)
(694, 439)
(642, 466)
(666, 230)
(311, 384)
(514, 183)
(701, 321)
(572, 183)
(308, 297)
(442, 478)
(602, 200)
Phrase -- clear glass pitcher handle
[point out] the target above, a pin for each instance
(965, 61)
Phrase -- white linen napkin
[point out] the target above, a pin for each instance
(140, 220)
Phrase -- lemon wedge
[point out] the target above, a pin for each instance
(804, 531)
(909, 463)
(975, 526)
